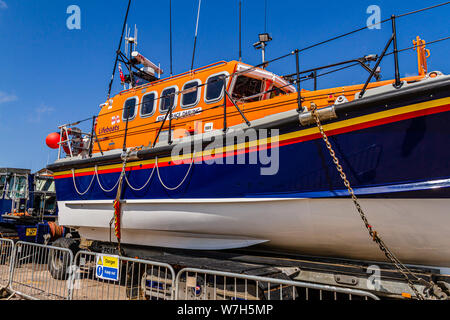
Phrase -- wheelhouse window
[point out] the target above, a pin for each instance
(44, 195)
(20, 187)
(214, 88)
(248, 89)
(44, 184)
(148, 104)
(16, 187)
(191, 94)
(168, 99)
(8, 187)
(275, 92)
(129, 109)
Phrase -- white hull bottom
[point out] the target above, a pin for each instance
(416, 230)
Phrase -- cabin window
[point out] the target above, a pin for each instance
(276, 92)
(214, 88)
(44, 184)
(148, 104)
(15, 187)
(20, 187)
(248, 89)
(168, 99)
(2, 185)
(8, 186)
(129, 109)
(191, 94)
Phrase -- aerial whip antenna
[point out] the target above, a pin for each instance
(170, 21)
(196, 32)
(240, 30)
(265, 16)
(118, 50)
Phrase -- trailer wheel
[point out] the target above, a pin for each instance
(58, 262)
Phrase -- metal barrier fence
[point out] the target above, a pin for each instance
(198, 284)
(104, 277)
(6, 258)
(41, 272)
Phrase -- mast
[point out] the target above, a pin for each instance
(118, 50)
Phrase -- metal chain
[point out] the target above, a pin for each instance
(373, 234)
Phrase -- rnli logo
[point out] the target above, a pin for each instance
(115, 120)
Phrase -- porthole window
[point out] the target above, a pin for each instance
(168, 99)
(148, 104)
(214, 88)
(191, 94)
(129, 109)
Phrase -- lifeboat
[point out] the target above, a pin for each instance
(232, 155)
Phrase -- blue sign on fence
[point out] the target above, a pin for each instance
(107, 267)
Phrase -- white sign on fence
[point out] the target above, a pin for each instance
(107, 267)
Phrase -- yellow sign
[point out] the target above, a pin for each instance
(111, 262)
(31, 232)
(107, 267)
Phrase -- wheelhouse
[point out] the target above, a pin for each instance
(194, 97)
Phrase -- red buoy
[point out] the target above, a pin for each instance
(52, 140)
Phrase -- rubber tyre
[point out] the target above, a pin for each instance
(57, 268)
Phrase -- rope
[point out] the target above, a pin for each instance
(181, 183)
(100, 185)
(373, 234)
(136, 189)
(117, 204)
(75, 184)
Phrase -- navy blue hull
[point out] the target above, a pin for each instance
(5, 207)
(391, 160)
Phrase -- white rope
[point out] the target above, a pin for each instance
(75, 184)
(181, 183)
(123, 172)
(149, 178)
(100, 185)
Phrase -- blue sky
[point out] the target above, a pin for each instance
(51, 75)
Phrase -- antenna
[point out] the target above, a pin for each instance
(264, 38)
(131, 41)
(170, 12)
(265, 16)
(240, 30)
(135, 37)
(126, 41)
(118, 50)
